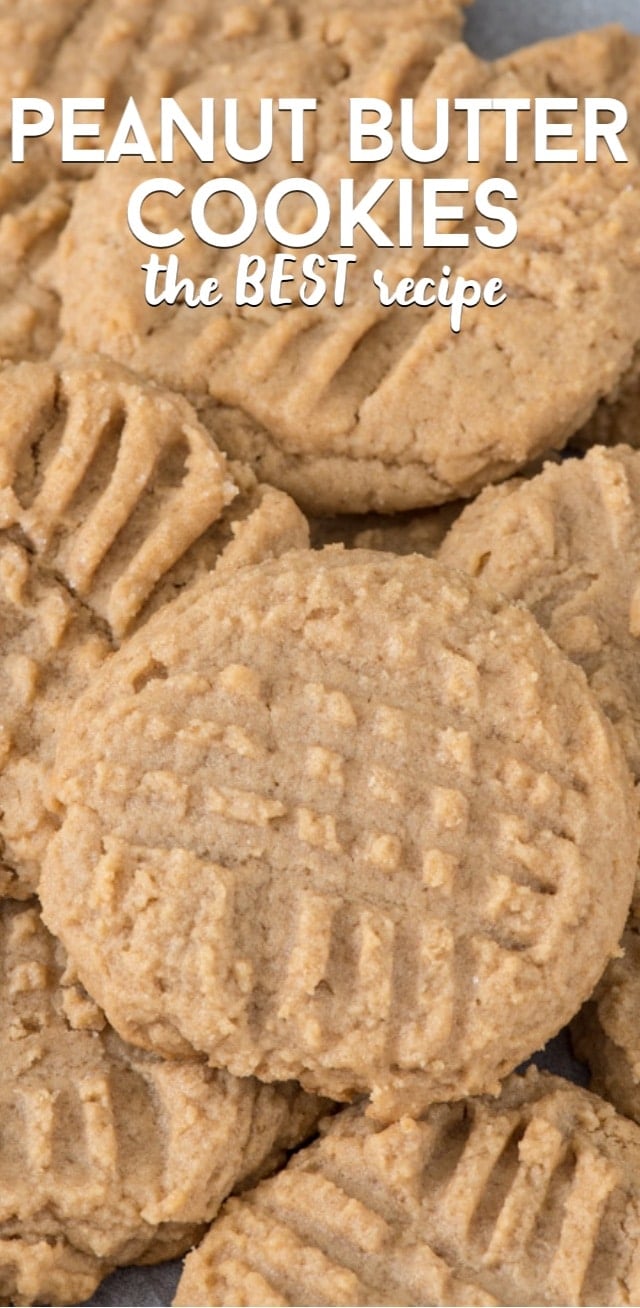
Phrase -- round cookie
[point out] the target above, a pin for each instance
(567, 544)
(531, 1198)
(113, 500)
(349, 818)
(364, 406)
(82, 48)
(109, 1155)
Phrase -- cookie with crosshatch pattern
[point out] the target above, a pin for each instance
(113, 499)
(151, 49)
(531, 1198)
(109, 1155)
(367, 406)
(109, 480)
(349, 818)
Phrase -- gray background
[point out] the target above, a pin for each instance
(494, 27)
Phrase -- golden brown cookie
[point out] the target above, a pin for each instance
(109, 1155)
(364, 406)
(113, 499)
(606, 1032)
(110, 480)
(345, 817)
(114, 483)
(567, 543)
(531, 1198)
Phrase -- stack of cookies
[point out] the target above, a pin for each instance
(319, 704)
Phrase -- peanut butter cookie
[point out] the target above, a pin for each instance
(109, 479)
(531, 1198)
(363, 406)
(346, 817)
(113, 499)
(109, 1155)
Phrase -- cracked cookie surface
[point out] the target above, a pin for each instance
(113, 500)
(365, 407)
(345, 817)
(109, 1155)
(531, 1198)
